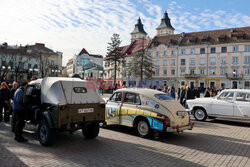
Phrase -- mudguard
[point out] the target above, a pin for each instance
(49, 119)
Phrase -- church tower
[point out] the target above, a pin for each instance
(138, 32)
(165, 28)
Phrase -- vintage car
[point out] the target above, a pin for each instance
(146, 110)
(66, 104)
(230, 103)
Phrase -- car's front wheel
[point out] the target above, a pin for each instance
(200, 114)
(143, 129)
(91, 131)
(46, 135)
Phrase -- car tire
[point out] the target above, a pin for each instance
(200, 114)
(91, 131)
(143, 129)
(13, 122)
(46, 135)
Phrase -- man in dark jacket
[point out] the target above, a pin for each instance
(196, 92)
(19, 113)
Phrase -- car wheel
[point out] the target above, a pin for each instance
(13, 122)
(200, 114)
(143, 129)
(46, 135)
(91, 131)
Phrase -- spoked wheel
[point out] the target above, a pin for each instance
(46, 135)
(200, 114)
(143, 129)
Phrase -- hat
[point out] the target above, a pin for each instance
(24, 84)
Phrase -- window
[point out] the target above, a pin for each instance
(158, 54)
(247, 71)
(165, 72)
(204, 40)
(235, 72)
(235, 49)
(247, 85)
(183, 61)
(247, 48)
(165, 62)
(212, 60)
(183, 51)
(223, 49)
(192, 61)
(192, 51)
(163, 97)
(223, 60)
(202, 61)
(173, 62)
(151, 54)
(223, 71)
(52, 62)
(183, 71)
(80, 90)
(157, 63)
(132, 98)
(212, 71)
(247, 59)
(173, 52)
(192, 71)
(157, 72)
(244, 97)
(226, 96)
(202, 51)
(165, 53)
(202, 71)
(212, 50)
(235, 59)
(172, 72)
(116, 97)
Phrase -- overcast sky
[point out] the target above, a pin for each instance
(70, 25)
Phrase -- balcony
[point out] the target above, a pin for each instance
(191, 75)
(234, 76)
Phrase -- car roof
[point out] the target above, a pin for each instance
(142, 91)
(237, 90)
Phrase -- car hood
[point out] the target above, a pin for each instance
(200, 100)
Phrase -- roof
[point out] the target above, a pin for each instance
(138, 27)
(165, 22)
(213, 37)
(70, 62)
(83, 51)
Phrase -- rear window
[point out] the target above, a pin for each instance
(163, 97)
(80, 90)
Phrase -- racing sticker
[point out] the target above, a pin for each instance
(112, 111)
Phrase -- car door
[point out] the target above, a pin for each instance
(223, 105)
(242, 105)
(130, 107)
(113, 108)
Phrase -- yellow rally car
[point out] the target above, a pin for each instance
(147, 110)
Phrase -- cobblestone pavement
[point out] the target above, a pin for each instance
(211, 143)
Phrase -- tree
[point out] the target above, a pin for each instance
(114, 55)
(141, 66)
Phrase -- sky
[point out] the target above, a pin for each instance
(70, 25)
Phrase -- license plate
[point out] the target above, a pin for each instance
(85, 110)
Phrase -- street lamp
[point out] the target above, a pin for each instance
(3, 67)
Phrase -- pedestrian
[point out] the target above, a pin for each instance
(196, 92)
(5, 101)
(13, 89)
(207, 93)
(18, 107)
(172, 92)
(189, 93)
(183, 96)
(178, 93)
(213, 92)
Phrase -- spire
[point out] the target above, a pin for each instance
(139, 27)
(165, 22)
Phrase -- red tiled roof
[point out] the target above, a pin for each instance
(70, 62)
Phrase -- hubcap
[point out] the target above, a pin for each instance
(143, 128)
(199, 114)
(43, 133)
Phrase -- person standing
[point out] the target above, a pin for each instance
(13, 89)
(207, 93)
(183, 96)
(196, 92)
(172, 92)
(5, 101)
(18, 107)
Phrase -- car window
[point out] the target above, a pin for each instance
(226, 96)
(245, 97)
(163, 97)
(132, 98)
(116, 97)
(80, 90)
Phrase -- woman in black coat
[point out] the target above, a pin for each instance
(4, 101)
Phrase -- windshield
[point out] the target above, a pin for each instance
(163, 97)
